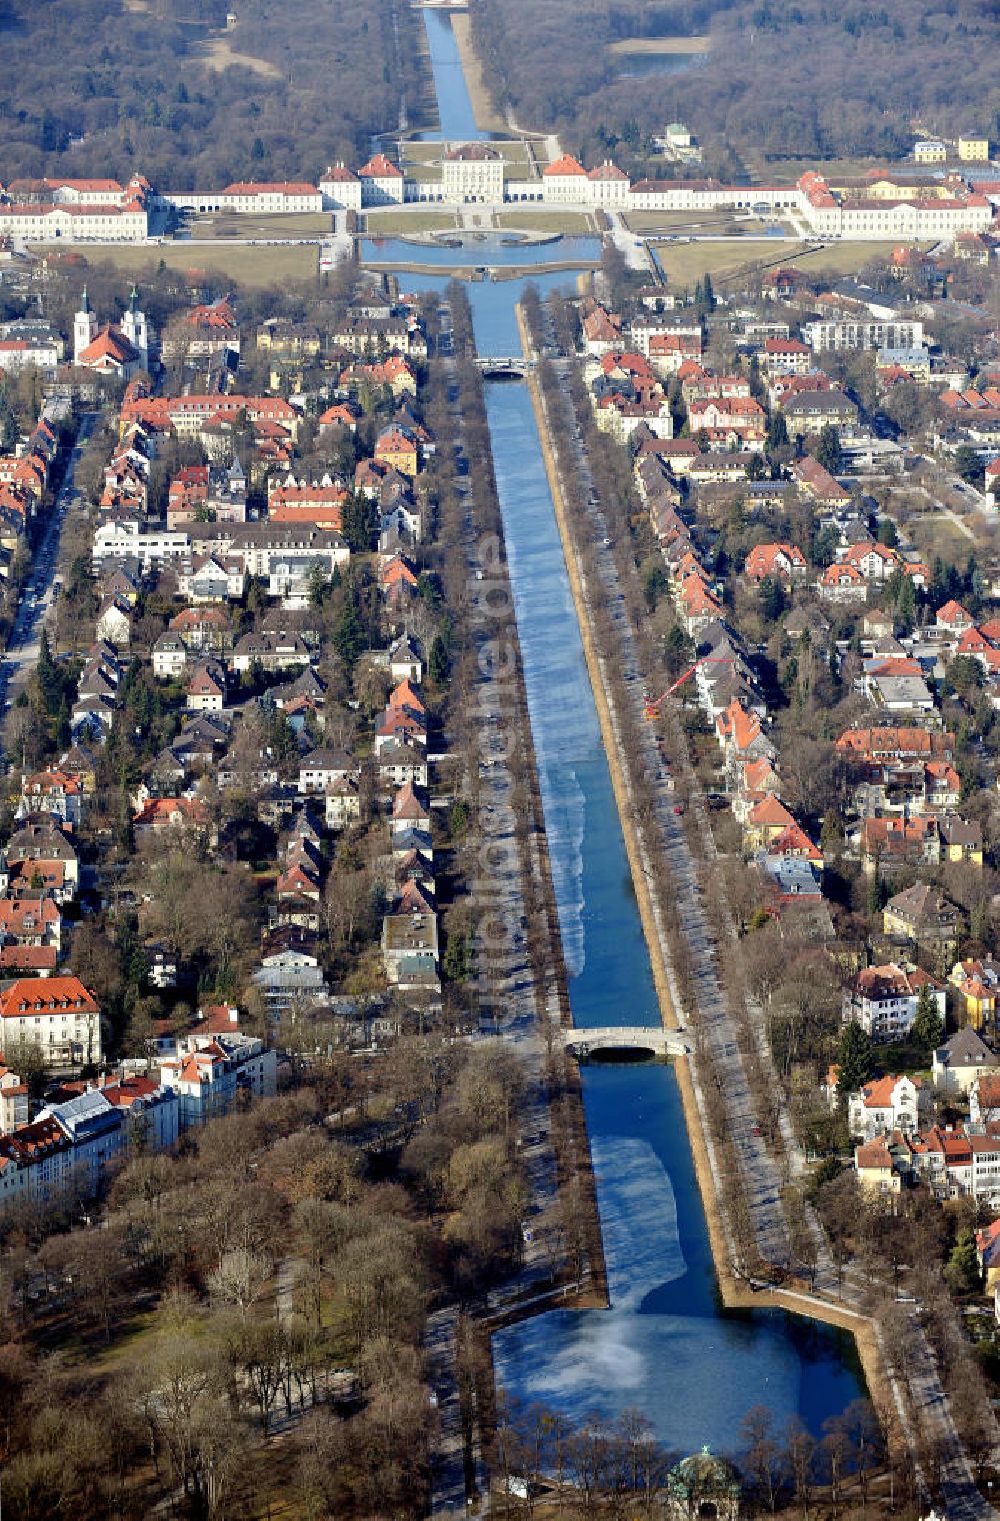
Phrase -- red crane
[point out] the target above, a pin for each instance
(652, 708)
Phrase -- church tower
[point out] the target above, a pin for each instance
(84, 327)
(135, 330)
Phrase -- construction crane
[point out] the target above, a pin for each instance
(651, 710)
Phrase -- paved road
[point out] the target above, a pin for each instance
(505, 986)
(35, 606)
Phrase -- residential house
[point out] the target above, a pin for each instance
(923, 916)
(884, 1105)
(873, 1164)
(960, 1061)
(883, 999)
(784, 562)
(56, 1013)
(978, 985)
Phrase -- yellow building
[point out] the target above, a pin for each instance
(397, 449)
(961, 841)
(289, 340)
(873, 1164)
(977, 983)
(974, 150)
(930, 152)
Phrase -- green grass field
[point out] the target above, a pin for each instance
(225, 224)
(546, 221)
(781, 171)
(389, 224)
(696, 44)
(656, 221)
(260, 265)
(684, 263)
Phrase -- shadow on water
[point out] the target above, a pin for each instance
(620, 1056)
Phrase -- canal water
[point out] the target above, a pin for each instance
(666, 1346)
(455, 113)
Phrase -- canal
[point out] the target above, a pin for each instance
(666, 1346)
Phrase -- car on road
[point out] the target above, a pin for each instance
(679, 807)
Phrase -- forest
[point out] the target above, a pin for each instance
(800, 80)
(93, 89)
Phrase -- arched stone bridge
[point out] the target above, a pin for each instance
(627, 1038)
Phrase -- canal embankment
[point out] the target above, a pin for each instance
(736, 1291)
(512, 783)
(487, 117)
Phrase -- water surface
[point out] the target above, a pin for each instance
(455, 113)
(666, 1345)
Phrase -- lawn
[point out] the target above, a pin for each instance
(390, 224)
(232, 224)
(657, 221)
(684, 263)
(935, 535)
(846, 258)
(422, 161)
(696, 44)
(546, 221)
(257, 265)
(781, 171)
(218, 55)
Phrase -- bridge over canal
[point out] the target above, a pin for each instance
(655, 1040)
(499, 365)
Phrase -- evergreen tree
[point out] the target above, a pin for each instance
(962, 1271)
(359, 522)
(777, 432)
(827, 451)
(968, 465)
(928, 1026)
(854, 1059)
(349, 635)
(457, 962)
(439, 663)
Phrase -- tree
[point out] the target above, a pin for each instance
(762, 1455)
(962, 1270)
(439, 663)
(349, 635)
(968, 465)
(827, 449)
(928, 1026)
(360, 521)
(777, 432)
(854, 1059)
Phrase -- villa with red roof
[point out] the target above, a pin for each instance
(565, 179)
(262, 199)
(786, 562)
(57, 1012)
(382, 182)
